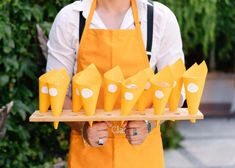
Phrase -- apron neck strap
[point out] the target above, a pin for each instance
(134, 10)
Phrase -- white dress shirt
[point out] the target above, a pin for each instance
(63, 41)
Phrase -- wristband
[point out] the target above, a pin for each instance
(149, 126)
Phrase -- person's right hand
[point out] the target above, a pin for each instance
(99, 130)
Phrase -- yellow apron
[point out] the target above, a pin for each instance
(106, 49)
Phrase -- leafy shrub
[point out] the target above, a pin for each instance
(21, 63)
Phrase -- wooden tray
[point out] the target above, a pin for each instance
(69, 116)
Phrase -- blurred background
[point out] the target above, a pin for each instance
(208, 32)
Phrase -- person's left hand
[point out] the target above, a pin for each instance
(136, 132)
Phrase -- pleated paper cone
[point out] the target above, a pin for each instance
(76, 96)
(44, 98)
(161, 96)
(112, 87)
(194, 82)
(162, 84)
(89, 84)
(146, 98)
(58, 86)
(132, 89)
(177, 70)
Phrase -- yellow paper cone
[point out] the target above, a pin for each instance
(112, 87)
(89, 83)
(177, 70)
(162, 84)
(162, 93)
(146, 98)
(58, 86)
(76, 96)
(194, 82)
(44, 100)
(132, 89)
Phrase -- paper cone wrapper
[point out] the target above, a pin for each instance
(58, 86)
(132, 89)
(112, 87)
(162, 84)
(178, 69)
(89, 84)
(44, 98)
(146, 98)
(165, 75)
(161, 92)
(194, 84)
(76, 95)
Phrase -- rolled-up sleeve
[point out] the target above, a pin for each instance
(170, 49)
(61, 53)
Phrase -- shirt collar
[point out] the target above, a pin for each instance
(85, 7)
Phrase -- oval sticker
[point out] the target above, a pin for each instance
(53, 92)
(148, 86)
(129, 96)
(112, 88)
(193, 88)
(159, 94)
(87, 93)
(44, 90)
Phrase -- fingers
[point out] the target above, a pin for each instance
(136, 132)
(99, 130)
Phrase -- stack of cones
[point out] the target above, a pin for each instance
(177, 70)
(89, 84)
(162, 84)
(146, 98)
(132, 89)
(56, 82)
(76, 95)
(194, 81)
(112, 87)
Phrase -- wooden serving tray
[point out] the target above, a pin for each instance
(101, 115)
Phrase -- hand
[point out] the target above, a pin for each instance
(136, 132)
(92, 134)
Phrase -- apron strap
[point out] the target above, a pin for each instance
(82, 22)
(150, 21)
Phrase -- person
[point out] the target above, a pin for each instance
(115, 33)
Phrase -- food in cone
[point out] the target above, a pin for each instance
(76, 96)
(44, 98)
(132, 89)
(177, 69)
(58, 86)
(162, 84)
(146, 98)
(194, 81)
(112, 87)
(89, 83)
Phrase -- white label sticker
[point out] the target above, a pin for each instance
(159, 94)
(112, 88)
(44, 90)
(53, 92)
(193, 88)
(87, 93)
(148, 86)
(129, 96)
(132, 86)
(77, 92)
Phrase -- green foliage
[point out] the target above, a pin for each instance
(21, 62)
(171, 137)
(207, 28)
(206, 25)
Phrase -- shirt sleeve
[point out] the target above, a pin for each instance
(61, 53)
(170, 49)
